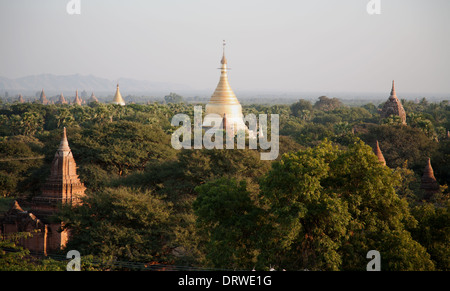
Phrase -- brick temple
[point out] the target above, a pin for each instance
(62, 187)
(393, 106)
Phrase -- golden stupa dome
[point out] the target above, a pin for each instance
(118, 97)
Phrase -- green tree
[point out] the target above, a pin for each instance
(305, 225)
(173, 98)
(120, 224)
(302, 108)
(433, 232)
(121, 146)
(226, 218)
(402, 143)
(326, 104)
(329, 207)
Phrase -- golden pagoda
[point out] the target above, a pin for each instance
(118, 97)
(223, 102)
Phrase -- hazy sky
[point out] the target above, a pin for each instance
(281, 45)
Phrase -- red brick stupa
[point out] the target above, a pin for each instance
(393, 106)
(429, 183)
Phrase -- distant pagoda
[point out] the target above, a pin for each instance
(118, 97)
(93, 99)
(77, 99)
(379, 154)
(61, 100)
(20, 99)
(429, 183)
(393, 106)
(43, 99)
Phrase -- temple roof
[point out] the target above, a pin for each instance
(393, 93)
(16, 207)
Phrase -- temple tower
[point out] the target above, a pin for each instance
(62, 186)
(118, 97)
(393, 106)
(223, 102)
(429, 183)
(93, 99)
(379, 154)
(77, 99)
(43, 99)
(61, 100)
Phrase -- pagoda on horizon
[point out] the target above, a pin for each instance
(223, 101)
(393, 106)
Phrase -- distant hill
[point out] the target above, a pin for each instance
(90, 83)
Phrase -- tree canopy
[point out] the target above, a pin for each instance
(322, 205)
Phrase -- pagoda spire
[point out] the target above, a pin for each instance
(62, 100)
(223, 93)
(93, 98)
(43, 98)
(393, 106)
(77, 99)
(393, 94)
(64, 144)
(118, 97)
(63, 184)
(224, 59)
(379, 154)
(223, 101)
(428, 172)
(429, 183)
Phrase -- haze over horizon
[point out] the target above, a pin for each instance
(285, 46)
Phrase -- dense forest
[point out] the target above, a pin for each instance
(322, 205)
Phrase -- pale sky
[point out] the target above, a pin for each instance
(278, 45)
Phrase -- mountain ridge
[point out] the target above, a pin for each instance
(64, 83)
